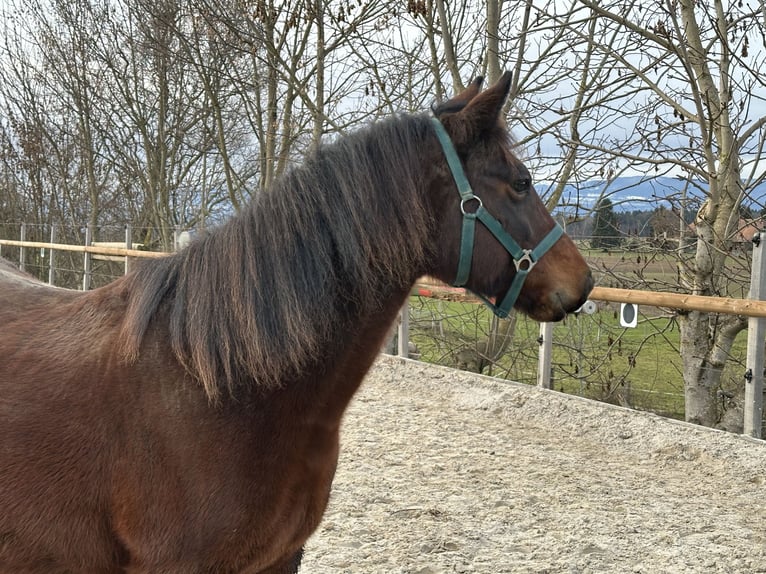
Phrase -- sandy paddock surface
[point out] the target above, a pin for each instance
(446, 471)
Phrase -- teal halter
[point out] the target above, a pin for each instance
(523, 259)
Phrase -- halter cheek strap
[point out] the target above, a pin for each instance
(523, 259)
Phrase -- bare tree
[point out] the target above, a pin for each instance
(49, 102)
(169, 112)
(132, 119)
(606, 88)
(692, 86)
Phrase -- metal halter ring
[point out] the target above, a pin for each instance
(467, 199)
(526, 258)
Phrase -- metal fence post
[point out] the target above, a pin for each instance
(22, 251)
(544, 360)
(128, 245)
(52, 264)
(404, 331)
(756, 334)
(86, 275)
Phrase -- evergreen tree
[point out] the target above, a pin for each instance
(605, 229)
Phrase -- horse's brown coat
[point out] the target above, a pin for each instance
(149, 427)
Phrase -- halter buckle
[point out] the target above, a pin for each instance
(525, 259)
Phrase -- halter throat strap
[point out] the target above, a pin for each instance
(524, 259)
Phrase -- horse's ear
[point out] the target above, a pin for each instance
(480, 114)
(461, 100)
(487, 106)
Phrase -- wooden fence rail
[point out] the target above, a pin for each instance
(96, 250)
(431, 288)
(730, 306)
(754, 308)
(744, 307)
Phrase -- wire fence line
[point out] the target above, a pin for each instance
(590, 354)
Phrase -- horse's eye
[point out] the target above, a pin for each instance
(522, 185)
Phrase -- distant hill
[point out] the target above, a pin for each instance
(637, 193)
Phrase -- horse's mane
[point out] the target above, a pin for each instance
(256, 298)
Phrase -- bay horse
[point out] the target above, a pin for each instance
(184, 419)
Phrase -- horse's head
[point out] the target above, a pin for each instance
(498, 239)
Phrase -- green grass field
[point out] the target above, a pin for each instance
(593, 355)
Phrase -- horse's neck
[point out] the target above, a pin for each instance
(344, 372)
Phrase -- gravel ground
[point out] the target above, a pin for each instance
(446, 471)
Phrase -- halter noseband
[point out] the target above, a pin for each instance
(523, 259)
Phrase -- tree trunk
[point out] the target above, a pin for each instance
(488, 351)
(494, 69)
(706, 340)
(448, 48)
